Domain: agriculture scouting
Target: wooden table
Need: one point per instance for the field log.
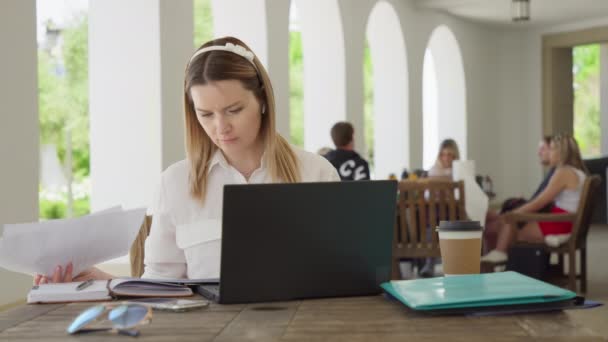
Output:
(336, 319)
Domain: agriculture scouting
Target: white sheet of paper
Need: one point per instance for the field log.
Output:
(12, 229)
(476, 201)
(39, 247)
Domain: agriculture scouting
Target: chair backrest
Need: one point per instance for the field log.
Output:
(585, 210)
(422, 204)
(136, 253)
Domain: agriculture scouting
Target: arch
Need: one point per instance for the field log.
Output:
(444, 95)
(391, 99)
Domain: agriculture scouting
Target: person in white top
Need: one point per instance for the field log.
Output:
(230, 139)
(564, 189)
(448, 152)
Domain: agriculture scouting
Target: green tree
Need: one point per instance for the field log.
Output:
(64, 97)
(586, 69)
(64, 105)
(296, 91)
(203, 22)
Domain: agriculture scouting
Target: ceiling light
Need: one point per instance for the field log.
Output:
(520, 10)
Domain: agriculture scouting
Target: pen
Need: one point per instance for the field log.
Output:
(84, 285)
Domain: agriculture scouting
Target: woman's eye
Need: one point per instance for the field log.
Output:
(205, 115)
(235, 111)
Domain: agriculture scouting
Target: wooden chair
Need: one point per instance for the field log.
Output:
(578, 240)
(136, 253)
(421, 205)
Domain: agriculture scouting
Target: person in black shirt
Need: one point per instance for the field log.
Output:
(349, 163)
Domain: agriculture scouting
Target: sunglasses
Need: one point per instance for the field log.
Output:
(123, 317)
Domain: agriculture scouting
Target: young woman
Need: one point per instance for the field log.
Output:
(448, 152)
(564, 190)
(230, 139)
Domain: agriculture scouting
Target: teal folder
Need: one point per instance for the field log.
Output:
(475, 290)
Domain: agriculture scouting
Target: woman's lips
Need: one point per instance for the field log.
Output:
(227, 140)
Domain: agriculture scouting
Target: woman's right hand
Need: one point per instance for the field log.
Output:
(59, 276)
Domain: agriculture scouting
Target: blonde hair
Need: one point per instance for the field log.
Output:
(447, 144)
(220, 65)
(569, 153)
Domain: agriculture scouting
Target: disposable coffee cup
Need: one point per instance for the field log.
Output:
(460, 245)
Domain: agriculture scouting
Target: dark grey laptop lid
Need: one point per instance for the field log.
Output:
(306, 240)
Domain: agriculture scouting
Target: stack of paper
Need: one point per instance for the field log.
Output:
(37, 248)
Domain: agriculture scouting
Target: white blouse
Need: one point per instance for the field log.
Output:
(185, 237)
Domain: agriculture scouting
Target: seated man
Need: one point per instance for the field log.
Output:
(349, 163)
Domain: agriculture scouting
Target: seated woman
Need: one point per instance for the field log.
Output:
(564, 190)
(231, 138)
(448, 152)
(442, 170)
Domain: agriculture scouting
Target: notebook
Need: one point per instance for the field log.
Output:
(100, 290)
(476, 291)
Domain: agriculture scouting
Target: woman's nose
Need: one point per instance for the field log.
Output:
(223, 124)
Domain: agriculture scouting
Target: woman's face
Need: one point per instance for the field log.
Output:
(229, 114)
(446, 157)
(554, 156)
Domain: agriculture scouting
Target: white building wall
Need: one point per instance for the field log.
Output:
(19, 142)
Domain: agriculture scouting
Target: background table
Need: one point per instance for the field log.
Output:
(336, 319)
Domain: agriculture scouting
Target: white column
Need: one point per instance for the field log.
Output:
(19, 135)
(354, 34)
(138, 50)
(604, 98)
(324, 70)
(277, 21)
(391, 101)
(264, 27)
(245, 20)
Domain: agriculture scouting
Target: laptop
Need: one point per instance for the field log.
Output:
(306, 240)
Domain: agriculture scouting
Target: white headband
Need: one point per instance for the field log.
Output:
(239, 50)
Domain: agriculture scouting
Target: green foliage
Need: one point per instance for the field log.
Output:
(203, 22)
(368, 104)
(586, 69)
(64, 106)
(50, 209)
(64, 96)
(296, 91)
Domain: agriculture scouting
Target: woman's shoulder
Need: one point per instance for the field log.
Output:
(174, 180)
(313, 167)
(177, 170)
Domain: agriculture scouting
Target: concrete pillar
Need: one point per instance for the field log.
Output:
(391, 100)
(138, 51)
(277, 20)
(324, 70)
(264, 26)
(19, 134)
(354, 46)
(245, 20)
(604, 98)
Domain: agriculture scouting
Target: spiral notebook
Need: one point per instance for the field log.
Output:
(100, 290)
(488, 290)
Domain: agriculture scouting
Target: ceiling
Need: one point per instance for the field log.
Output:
(542, 12)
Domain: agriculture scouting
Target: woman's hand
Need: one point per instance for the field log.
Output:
(59, 276)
